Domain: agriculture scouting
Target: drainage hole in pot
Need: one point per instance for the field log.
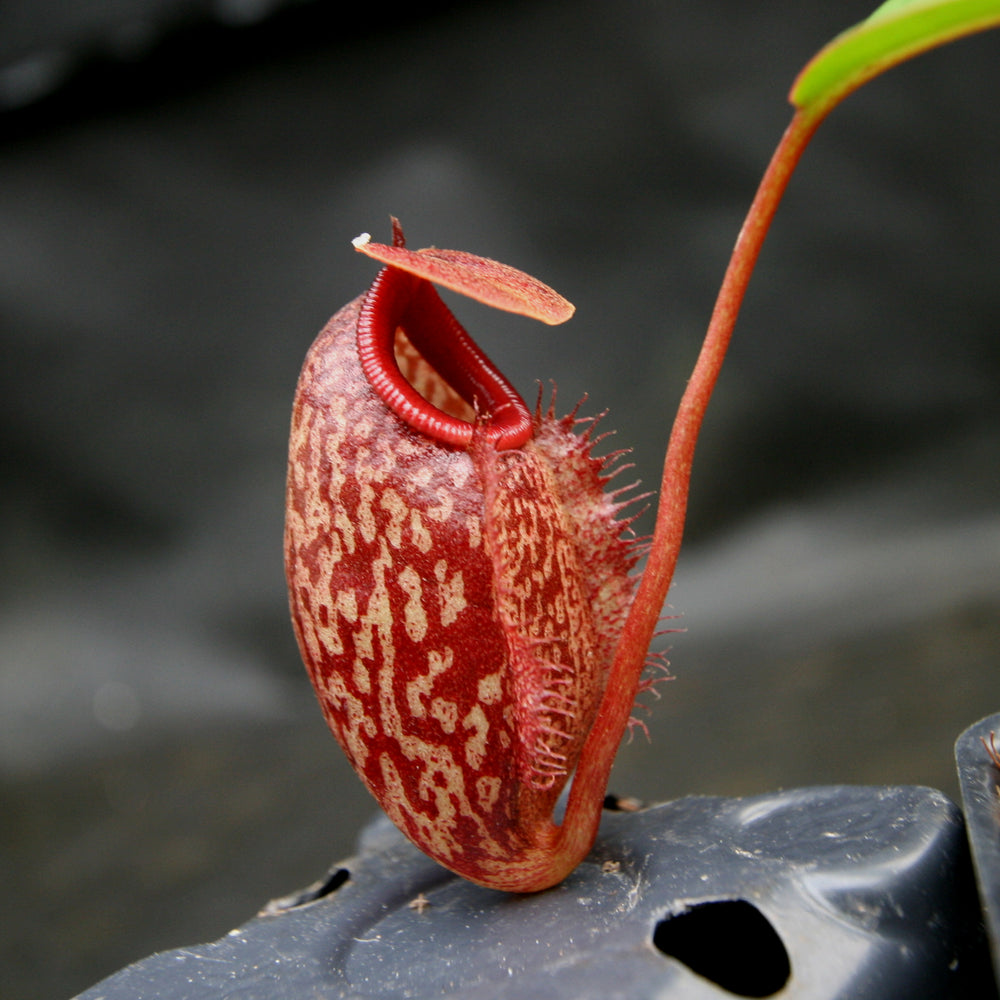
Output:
(334, 879)
(326, 886)
(729, 942)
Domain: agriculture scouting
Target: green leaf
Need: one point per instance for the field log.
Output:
(896, 31)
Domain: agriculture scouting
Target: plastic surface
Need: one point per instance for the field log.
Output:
(817, 893)
(980, 782)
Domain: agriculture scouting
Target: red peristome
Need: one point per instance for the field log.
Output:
(397, 300)
(457, 607)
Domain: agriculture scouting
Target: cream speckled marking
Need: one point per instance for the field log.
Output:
(366, 515)
(393, 504)
(420, 536)
(379, 614)
(475, 532)
(489, 689)
(420, 687)
(451, 592)
(364, 640)
(361, 676)
(347, 604)
(344, 529)
(414, 613)
(475, 745)
(487, 792)
(446, 713)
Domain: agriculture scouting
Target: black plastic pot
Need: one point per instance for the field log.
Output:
(979, 778)
(815, 893)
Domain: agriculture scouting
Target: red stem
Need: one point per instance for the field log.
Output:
(583, 810)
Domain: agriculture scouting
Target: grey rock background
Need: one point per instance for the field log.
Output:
(179, 183)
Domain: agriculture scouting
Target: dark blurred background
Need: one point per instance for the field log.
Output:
(179, 183)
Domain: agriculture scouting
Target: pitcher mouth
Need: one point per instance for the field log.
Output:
(475, 397)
